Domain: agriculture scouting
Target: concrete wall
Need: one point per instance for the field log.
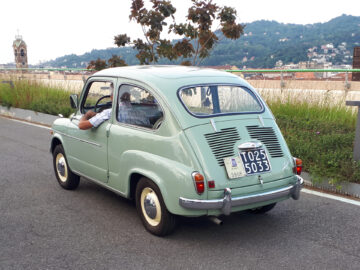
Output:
(70, 82)
(319, 92)
(332, 92)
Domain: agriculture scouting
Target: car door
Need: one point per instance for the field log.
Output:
(88, 148)
(134, 131)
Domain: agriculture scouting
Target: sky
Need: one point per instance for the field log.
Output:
(53, 29)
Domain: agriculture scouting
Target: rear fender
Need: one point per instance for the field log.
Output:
(173, 178)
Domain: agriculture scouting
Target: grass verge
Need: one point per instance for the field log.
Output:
(36, 97)
(322, 136)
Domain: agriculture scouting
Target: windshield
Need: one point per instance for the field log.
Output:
(210, 100)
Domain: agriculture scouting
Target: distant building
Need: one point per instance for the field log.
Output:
(225, 67)
(20, 52)
(279, 63)
(283, 39)
(311, 65)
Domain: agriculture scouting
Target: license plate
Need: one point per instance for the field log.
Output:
(234, 167)
(255, 161)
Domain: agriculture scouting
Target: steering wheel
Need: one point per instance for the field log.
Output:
(97, 102)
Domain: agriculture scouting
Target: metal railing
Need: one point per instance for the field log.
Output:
(292, 70)
(228, 70)
(46, 69)
(287, 71)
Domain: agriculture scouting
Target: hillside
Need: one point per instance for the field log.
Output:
(263, 44)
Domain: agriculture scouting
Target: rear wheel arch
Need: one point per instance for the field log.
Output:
(134, 180)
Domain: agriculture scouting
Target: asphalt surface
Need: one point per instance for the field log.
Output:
(43, 226)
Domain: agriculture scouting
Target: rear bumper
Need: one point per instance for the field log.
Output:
(225, 204)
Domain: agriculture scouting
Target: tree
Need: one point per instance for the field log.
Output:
(116, 61)
(99, 64)
(197, 38)
(201, 16)
(152, 22)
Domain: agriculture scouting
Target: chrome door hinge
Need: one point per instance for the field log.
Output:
(212, 121)
(108, 131)
(261, 120)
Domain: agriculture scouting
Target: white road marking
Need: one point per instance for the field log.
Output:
(334, 197)
(27, 123)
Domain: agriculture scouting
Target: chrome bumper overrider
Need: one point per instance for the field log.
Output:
(227, 202)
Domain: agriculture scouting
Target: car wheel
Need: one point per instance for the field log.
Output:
(66, 178)
(263, 209)
(152, 210)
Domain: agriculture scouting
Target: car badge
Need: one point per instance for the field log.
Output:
(249, 145)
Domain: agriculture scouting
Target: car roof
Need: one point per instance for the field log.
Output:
(167, 80)
(162, 72)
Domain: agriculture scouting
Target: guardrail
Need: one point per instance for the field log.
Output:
(292, 70)
(282, 71)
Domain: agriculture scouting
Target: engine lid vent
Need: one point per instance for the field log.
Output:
(267, 136)
(222, 143)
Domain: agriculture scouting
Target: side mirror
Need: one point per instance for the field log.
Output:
(74, 101)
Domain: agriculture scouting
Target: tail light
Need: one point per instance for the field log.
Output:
(199, 182)
(298, 166)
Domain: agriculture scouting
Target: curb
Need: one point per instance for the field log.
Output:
(347, 188)
(27, 115)
(343, 188)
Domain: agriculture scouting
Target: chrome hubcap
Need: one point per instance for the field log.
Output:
(150, 206)
(61, 167)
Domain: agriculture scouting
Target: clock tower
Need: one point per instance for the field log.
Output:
(20, 52)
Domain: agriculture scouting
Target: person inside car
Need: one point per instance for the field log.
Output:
(91, 119)
(129, 114)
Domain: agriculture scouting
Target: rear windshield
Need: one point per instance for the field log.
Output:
(210, 100)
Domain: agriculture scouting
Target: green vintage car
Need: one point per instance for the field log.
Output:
(192, 142)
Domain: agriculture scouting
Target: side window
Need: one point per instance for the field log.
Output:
(98, 97)
(136, 106)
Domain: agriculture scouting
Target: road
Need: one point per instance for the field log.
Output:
(43, 226)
